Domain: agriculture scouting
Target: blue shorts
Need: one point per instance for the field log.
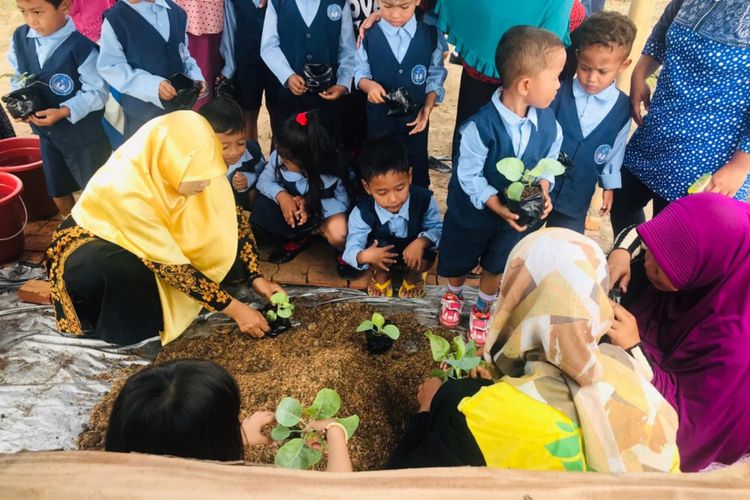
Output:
(68, 168)
(462, 249)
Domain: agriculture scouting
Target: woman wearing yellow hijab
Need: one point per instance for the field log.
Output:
(562, 400)
(152, 236)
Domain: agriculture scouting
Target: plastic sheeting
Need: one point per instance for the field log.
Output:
(50, 382)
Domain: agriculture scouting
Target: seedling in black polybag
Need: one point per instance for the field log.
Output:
(278, 313)
(524, 195)
(379, 333)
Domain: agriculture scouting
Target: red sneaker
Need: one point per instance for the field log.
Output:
(450, 310)
(479, 323)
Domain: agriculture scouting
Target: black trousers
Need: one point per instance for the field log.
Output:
(629, 202)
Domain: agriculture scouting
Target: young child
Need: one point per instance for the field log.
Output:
(595, 119)
(72, 138)
(402, 52)
(191, 409)
(244, 158)
(240, 48)
(479, 228)
(297, 33)
(304, 190)
(144, 43)
(398, 222)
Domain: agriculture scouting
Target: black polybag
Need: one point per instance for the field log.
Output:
(318, 77)
(399, 103)
(187, 93)
(529, 209)
(26, 101)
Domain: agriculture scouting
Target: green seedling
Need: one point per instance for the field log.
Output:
(458, 356)
(303, 447)
(283, 309)
(21, 80)
(515, 171)
(378, 327)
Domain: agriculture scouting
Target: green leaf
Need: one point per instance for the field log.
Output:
(280, 433)
(271, 315)
(365, 326)
(297, 455)
(327, 403)
(547, 167)
(511, 168)
(439, 346)
(288, 412)
(350, 424)
(464, 364)
(391, 331)
(285, 313)
(471, 348)
(279, 298)
(441, 374)
(458, 341)
(378, 320)
(514, 191)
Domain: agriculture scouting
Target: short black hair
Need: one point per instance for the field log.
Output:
(186, 408)
(382, 154)
(55, 3)
(523, 51)
(225, 115)
(607, 28)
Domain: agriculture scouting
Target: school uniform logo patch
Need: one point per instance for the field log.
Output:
(61, 84)
(334, 12)
(418, 74)
(601, 154)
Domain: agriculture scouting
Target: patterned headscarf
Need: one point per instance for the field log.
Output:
(544, 339)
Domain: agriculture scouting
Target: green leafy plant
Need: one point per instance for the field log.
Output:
(459, 356)
(283, 308)
(378, 327)
(19, 80)
(515, 171)
(299, 450)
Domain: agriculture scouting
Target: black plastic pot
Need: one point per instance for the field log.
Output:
(531, 206)
(187, 93)
(24, 102)
(399, 103)
(318, 77)
(279, 326)
(376, 343)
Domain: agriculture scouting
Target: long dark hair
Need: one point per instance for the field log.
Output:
(303, 140)
(186, 408)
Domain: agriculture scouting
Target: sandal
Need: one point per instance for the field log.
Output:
(376, 289)
(407, 287)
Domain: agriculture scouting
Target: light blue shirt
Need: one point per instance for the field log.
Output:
(250, 176)
(115, 69)
(473, 153)
(592, 109)
(399, 40)
(270, 48)
(398, 223)
(269, 187)
(93, 94)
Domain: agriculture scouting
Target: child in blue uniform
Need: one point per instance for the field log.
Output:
(143, 44)
(244, 158)
(478, 227)
(72, 138)
(401, 52)
(398, 222)
(304, 190)
(595, 119)
(240, 48)
(300, 32)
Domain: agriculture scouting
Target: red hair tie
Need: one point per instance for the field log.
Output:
(302, 118)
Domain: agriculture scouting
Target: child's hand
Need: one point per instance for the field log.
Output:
(544, 184)
(333, 93)
(252, 428)
(497, 206)
(288, 208)
(381, 258)
(166, 91)
(421, 121)
(48, 117)
(375, 92)
(301, 210)
(239, 181)
(203, 87)
(607, 198)
(296, 85)
(414, 253)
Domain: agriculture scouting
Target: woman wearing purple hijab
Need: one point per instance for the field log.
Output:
(693, 321)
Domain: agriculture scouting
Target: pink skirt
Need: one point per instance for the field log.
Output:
(205, 50)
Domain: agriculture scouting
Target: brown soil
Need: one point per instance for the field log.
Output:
(324, 352)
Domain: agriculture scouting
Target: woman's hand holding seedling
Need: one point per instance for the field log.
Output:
(166, 91)
(252, 428)
(456, 359)
(381, 258)
(248, 319)
(266, 288)
(48, 117)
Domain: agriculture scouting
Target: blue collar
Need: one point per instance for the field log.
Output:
(609, 94)
(60, 34)
(390, 30)
(509, 117)
(143, 5)
(385, 216)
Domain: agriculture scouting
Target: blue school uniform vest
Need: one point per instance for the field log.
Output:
(411, 73)
(248, 33)
(574, 189)
(317, 44)
(291, 187)
(60, 72)
(419, 203)
(494, 136)
(145, 49)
